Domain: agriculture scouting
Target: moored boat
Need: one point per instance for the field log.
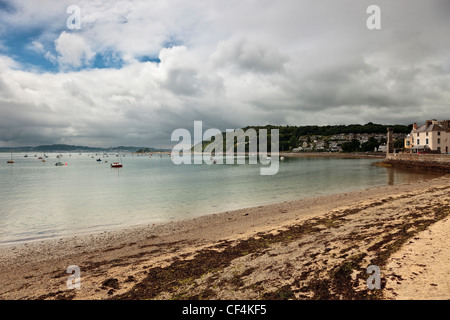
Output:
(116, 165)
(11, 160)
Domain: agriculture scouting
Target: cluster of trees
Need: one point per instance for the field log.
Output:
(336, 129)
(368, 146)
(289, 135)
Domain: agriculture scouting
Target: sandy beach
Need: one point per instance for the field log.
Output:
(316, 248)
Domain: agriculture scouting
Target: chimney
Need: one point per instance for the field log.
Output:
(414, 126)
(428, 122)
(434, 121)
(445, 124)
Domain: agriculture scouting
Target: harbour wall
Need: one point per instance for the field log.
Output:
(424, 162)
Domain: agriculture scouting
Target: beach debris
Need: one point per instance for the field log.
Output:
(111, 283)
(130, 279)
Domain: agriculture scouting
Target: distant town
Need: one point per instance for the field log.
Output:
(369, 137)
(347, 142)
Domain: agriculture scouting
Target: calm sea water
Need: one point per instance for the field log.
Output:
(39, 200)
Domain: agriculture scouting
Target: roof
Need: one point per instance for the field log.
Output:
(431, 127)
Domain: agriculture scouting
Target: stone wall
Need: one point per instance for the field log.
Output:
(438, 158)
(422, 162)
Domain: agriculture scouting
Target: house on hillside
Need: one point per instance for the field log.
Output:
(432, 136)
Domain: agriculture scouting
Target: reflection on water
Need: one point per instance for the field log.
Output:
(41, 200)
(390, 174)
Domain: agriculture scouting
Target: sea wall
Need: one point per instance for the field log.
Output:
(439, 158)
(424, 162)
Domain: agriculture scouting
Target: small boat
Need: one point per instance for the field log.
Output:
(59, 164)
(11, 160)
(99, 159)
(116, 165)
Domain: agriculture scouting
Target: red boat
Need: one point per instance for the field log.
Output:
(10, 161)
(116, 165)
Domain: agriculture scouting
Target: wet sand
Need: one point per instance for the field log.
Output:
(316, 248)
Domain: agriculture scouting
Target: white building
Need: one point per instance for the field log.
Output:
(433, 135)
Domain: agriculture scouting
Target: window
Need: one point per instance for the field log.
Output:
(426, 141)
(427, 134)
(439, 140)
(418, 141)
(439, 133)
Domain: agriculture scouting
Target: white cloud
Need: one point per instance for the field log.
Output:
(37, 47)
(73, 50)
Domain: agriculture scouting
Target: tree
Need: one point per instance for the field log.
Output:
(370, 145)
(399, 144)
(352, 146)
(293, 142)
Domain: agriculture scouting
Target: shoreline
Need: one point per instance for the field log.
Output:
(115, 264)
(352, 155)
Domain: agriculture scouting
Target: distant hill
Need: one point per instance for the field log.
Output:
(70, 148)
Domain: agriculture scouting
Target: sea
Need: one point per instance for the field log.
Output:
(39, 200)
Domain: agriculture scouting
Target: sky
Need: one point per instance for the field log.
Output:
(136, 70)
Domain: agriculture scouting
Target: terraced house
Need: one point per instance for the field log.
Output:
(433, 136)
